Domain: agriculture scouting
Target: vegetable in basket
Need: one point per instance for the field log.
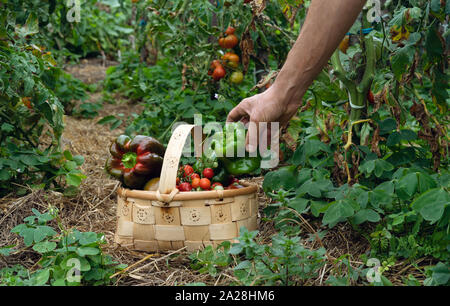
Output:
(135, 161)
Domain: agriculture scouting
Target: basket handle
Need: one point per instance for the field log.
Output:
(167, 182)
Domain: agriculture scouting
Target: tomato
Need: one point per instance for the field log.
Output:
(185, 187)
(178, 181)
(222, 42)
(205, 183)
(195, 182)
(218, 73)
(194, 175)
(343, 46)
(208, 173)
(187, 170)
(218, 187)
(230, 30)
(370, 97)
(27, 102)
(216, 184)
(236, 77)
(215, 64)
(230, 41)
(230, 56)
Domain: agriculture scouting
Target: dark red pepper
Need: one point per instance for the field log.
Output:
(135, 161)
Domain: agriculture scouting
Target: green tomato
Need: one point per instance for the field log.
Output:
(236, 77)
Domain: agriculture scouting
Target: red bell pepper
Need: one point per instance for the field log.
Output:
(135, 161)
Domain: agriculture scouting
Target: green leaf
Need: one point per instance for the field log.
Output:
(407, 186)
(441, 273)
(44, 246)
(74, 179)
(283, 178)
(30, 27)
(431, 204)
(88, 238)
(338, 211)
(366, 215)
(6, 127)
(299, 204)
(401, 60)
(41, 277)
(84, 251)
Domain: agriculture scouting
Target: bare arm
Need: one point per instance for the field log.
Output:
(325, 25)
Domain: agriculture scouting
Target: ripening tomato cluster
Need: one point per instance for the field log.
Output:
(188, 180)
(229, 59)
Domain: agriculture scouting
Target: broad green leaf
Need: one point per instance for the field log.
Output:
(338, 211)
(431, 204)
(83, 251)
(407, 186)
(41, 277)
(44, 246)
(366, 215)
(299, 204)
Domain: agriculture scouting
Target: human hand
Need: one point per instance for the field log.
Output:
(269, 106)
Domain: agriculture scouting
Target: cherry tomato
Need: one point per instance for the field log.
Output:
(218, 73)
(205, 183)
(177, 181)
(230, 41)
(194, 175)
(230, 30)
(185, 187)
(218, 187)
(215, 64)
(222, 42)
(27, 102)
(216, 184)
(236, 77)
(195, 182)
(187, 170)
(208, 173)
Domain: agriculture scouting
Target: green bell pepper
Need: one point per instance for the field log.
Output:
(221, 143)
(242, 165)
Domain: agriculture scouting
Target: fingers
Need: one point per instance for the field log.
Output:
(236, 113)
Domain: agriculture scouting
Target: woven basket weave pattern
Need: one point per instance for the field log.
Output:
(149, 226)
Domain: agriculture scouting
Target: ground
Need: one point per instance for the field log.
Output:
(94, 209)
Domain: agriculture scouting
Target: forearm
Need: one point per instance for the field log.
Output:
(325, 25)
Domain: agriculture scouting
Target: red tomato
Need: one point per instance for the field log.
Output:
(230, 31)
(218, 73)
(195, 182)
(178, 181)
(205, 183)
(187, 170)
(194, 175)
(222, 42)
(185, 187)
(230, 41)
(208, 173)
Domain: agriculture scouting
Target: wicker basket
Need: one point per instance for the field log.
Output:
(167, 219)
